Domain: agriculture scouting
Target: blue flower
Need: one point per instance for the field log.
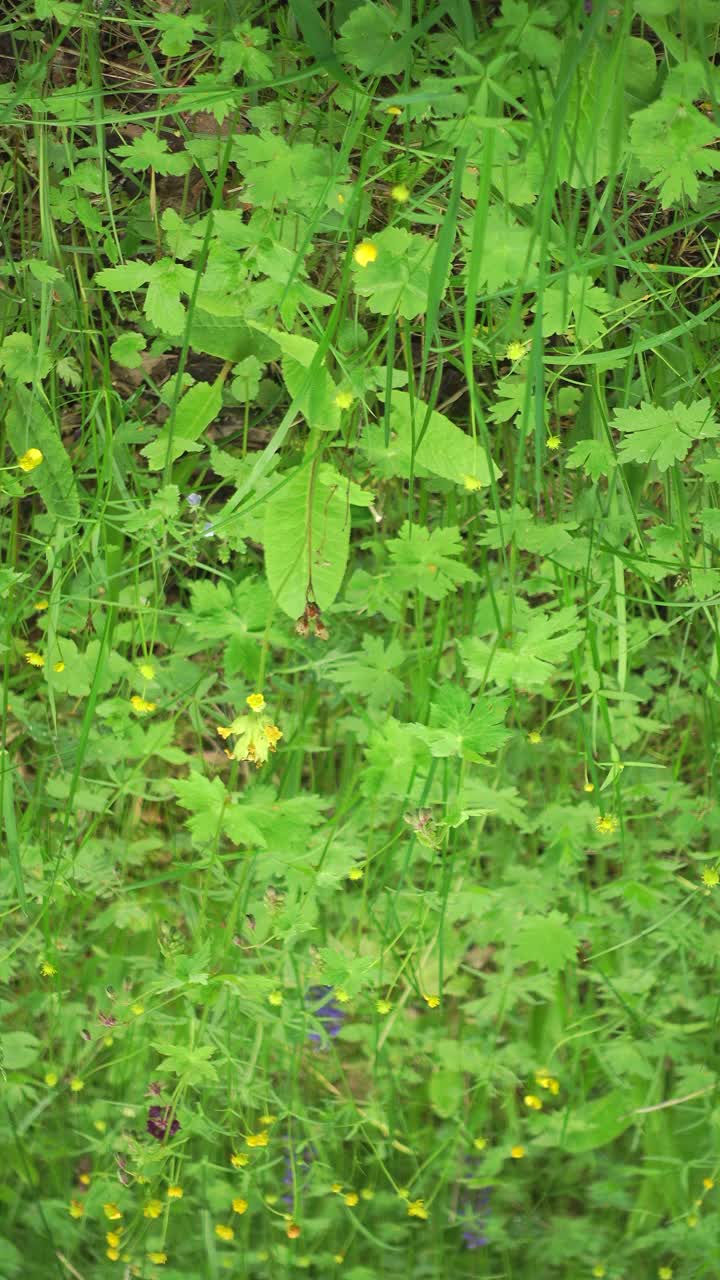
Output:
(329, 1014)
(194, 500)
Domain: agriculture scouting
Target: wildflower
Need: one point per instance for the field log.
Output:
(174, 1193)
(239, 1205)
(665, 1273)
(708, 1184)
(553, 443)
(76, 1084)
(256, 735)
(432, 1002)
(416, 1209)
(238, 1160)
(51, 1079)
(137, 1009)
(515, 350)
(256, 1140)
(393, 111)
(275, 998)
(76, 1209)
(147, 670)
(342, 996)
(343, 399)
(517, 1152)
(710, 877)
(546, 1081)
(598, 1272)
(351, 1199)
(100, 1125)
(47, 970)
(400, 193)
(328, 1014)
(479, 1143)
(113, 1239)
(111, 1211)
(589, 786)
(534, 738)
(142, 707)
(355, 873)
(336, 1188)
(84, 1179)
(255, 701)
(338, 1257)
(383, 1006)
(365, 253)
(161, 1122)
(533, 1102)
(34, 659)
(58, 666)
(157, 1257)
(472, 484)
(194, 500)
(152, 1209)
(267, 1119)
(224, 1233)
(40, 605)
(293, 1231)
(112, 1254)
(606, 824)
(30, 460)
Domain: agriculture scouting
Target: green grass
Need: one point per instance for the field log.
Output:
(442, 970)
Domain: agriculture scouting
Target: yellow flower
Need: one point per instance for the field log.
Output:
(383, 1006)
(336, 1188)
(58, 666)
(47, 970)
(40, 605)
(342, 996)
(256, 702)
(158, 1258)
(432, 1002)
(533, 1102)
(84, 1179)
(338, 1257)
(546, 1081)
(224, 730)
(416, 1209)
(356, 873)
(256, 736)
(710, 877)
(142, 707)
(393, 111)
(239, 1205)
(30, 460)
(472, 484)
(517, 1153)
(293, 1231)
(267, 1118)
(589, 786)
(112, 1254)
(51, 1079)
(256, 1140)
(665, 1273)
(34, 659)
(238, 1160)
(76, 1209)
(273, 735)
(479, 1143)
(400, 193)
(606, 824)
(534, 738)
(367, 1193)
(515, 350)
(707, 1182)
(100, 1125)
(275, 998)
(112, 1212)
(351, 1199)
(76, 1084)
(137, 1009)
(113, 1239)
(343, 399)
(153, 1209)
(224, 1233)
(598, 1272)
(365, 253)
(553, 443)
(147, 671)
(174, 1193)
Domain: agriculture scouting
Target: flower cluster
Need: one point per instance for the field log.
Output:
(256, 735)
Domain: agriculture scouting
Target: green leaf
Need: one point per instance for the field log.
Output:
(598, 1122)
(672, 138)
(547, 941)
(128, 277)
(307, 537)
(366, 41)
(21, 361)
(148, 151)
(19, 1050)
(199, 406)
(462, 729)
(29, 427)
(664, 436)
(427, 561)
(594, 456)
(443, 449)
(573, 302)
(126, 349)
(528, 657)
(206, 800)
(447, 1092)
(397, 282)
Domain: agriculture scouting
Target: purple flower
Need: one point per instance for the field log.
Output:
(473, 1239)
(326, 1011)
(473, 1214)
(160, 1124)
(194, 500)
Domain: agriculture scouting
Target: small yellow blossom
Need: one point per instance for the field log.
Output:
(100, 1125)
(76, 1084)
(356, 873)
(338, 1257)
(393, 111)
(147, 670)
(113, 1239)
(606, 824)
(40, 605)
(51, 1079)
(224, 1233)
(351, 1199)
(546, 1081)
(692, 1220)
(256, 1140)
(336, 1188)
(275, 998)
(383, 1006)
(47, 970)
(84, 1179)
(112, 1254)
(224, 730)
(267, 1118)
(532, 1101)
(400, 193)
(479, 1143)
(158, 1258)
(30, 460)
(174, 1193)
(273, 735)
(367, 1193)
(365, 253)
(58, 666)
(598, 1272)
(432, 1002)
(153, 1209)
(416, 1209)
(589, 786)
(710, 877)
(517, 1152)
(553, 443)
(343, 399)
(534, 737)
(111, 1211)
(137, 1009)
(34, 659)
(238, 1160)
(708, 1184)
(515, 350)
(76, 1209)
(472, 484)
(665, 1273)
(293, 1231)
(239, 1205)
(255, 701)
(256, 736)
(342, 996)
(142, 707)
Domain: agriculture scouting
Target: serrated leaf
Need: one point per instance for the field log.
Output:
(29, 427)
(458, 727)
(199, 406)
(366, 41)
(663, 436)
(205, 799)
(307, 537)
(443, 449)
(547, 941)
